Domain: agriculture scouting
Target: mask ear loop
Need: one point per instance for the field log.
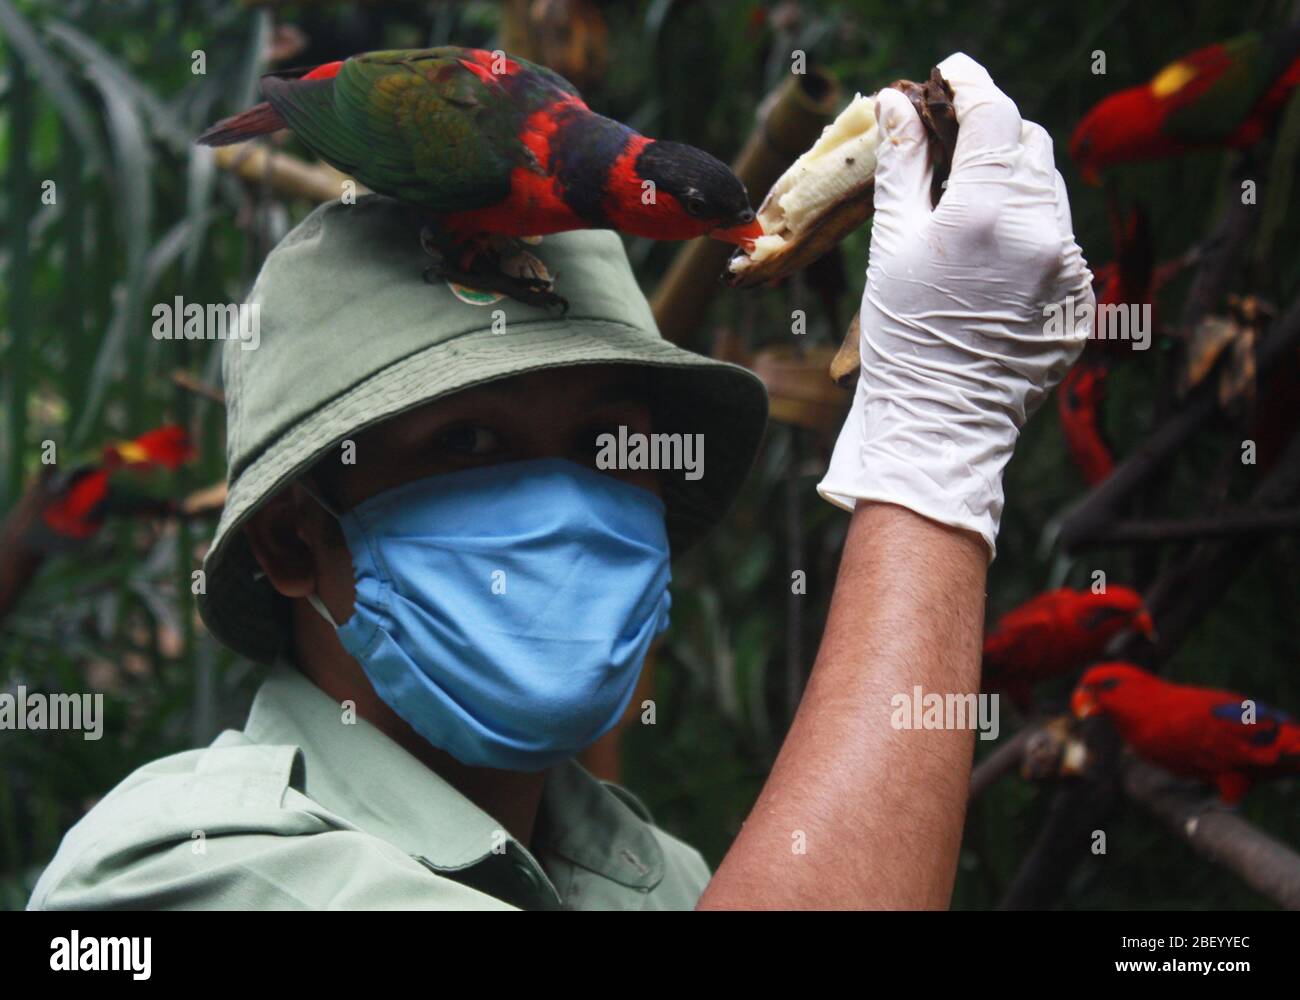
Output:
(314, 599)
(310, 490)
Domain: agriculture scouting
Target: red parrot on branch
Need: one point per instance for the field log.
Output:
(1225, 95)
(1219, 737)
(483, 145)
(77, 506)
(1055, 633)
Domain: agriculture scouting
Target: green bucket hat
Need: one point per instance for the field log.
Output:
(351, 335)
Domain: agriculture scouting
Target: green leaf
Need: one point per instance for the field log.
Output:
(133, 174)
(166, 125)
(54, 81)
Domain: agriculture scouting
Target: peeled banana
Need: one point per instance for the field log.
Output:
(836, 171)
(827, 192)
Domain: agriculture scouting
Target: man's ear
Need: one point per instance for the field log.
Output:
(285, 536)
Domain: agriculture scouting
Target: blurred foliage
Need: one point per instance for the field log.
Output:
(101, 98)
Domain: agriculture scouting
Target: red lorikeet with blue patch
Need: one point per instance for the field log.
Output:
(1218, 737)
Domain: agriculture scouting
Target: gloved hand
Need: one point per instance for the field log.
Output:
(958, 348)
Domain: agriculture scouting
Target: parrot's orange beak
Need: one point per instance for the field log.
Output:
(1147, 626)
(1083, 704)
(743, 235)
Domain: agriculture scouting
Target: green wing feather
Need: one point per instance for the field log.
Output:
(417, 124)
(1253, 64)
(1215, 115)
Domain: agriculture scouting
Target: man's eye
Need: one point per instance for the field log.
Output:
(471, 440)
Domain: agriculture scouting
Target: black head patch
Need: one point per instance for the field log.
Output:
(703, 184)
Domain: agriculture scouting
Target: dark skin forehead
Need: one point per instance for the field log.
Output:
(553, 413)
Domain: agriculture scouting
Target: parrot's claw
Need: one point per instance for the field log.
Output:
(531, 291)
(480, 259)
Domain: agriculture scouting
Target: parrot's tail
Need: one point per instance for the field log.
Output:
(261, 119)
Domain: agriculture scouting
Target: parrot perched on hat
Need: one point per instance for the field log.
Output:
(1223, 95)
(486, 146)
(1057, 632)
(1218, 737)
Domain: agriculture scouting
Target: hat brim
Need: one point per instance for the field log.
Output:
(690, 394)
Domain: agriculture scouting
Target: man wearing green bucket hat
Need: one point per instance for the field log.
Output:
(436, 539)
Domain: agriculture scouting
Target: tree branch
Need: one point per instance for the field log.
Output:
(1099, 509)
(1226, 839)
(1221, 261)
(1003, 760)
(1226, 523)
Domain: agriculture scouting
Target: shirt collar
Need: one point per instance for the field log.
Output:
(357, 772)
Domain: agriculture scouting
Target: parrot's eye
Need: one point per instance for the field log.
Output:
(695, 205)
(1110, 683)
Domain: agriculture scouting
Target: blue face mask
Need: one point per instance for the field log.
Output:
(504, 612)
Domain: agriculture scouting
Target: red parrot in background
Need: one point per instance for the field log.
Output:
(77, 506)
(1195, 732)
(485, 145)
(1128, 280)
(1224, 95)
(1078, 401)
(1057, 632)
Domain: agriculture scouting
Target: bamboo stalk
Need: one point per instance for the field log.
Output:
(286, 175)
(789, 121)
(208, 500)
(184, 380)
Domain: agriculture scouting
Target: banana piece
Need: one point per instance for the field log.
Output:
(828, 192)
(839, 167)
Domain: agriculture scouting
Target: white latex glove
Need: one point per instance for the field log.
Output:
(956, 352)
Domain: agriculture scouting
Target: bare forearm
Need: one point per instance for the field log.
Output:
(857, 813)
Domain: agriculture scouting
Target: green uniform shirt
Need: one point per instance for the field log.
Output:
(303, 811)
